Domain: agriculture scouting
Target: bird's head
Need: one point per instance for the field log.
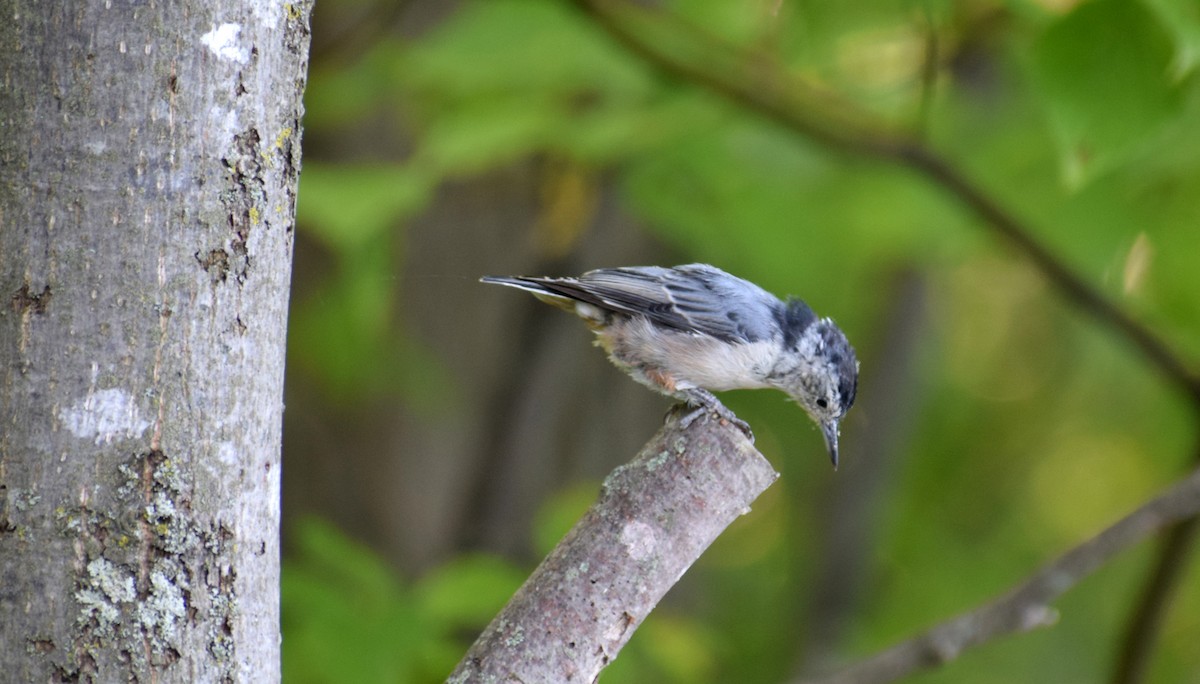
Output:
(824, 378)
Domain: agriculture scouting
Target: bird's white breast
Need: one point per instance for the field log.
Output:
(693, 360)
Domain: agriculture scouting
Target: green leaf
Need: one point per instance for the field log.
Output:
(348, 206)
(468, 591)
(507, 78)
(1182, 19)
(325, 552)
(484, 134)
(346, 617)
(341, 96)
(560, 513)
(341, 331)
(344, 333)
(521, 46)
(1106, 72)
(682, 649)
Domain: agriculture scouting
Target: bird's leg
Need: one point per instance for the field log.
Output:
(701, 400)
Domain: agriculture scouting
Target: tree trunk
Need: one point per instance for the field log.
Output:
(149, 154)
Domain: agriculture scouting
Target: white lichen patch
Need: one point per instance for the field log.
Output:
(106, 587)
(227, 453)
(222, 41)
(657, 461)
(515, 638)
(639, 539)
(161, 611)
(23, 499)
(155, 581)
(104, 415)
(173, 531)
(220, 640)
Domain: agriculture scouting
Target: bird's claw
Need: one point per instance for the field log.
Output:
(721, 411)
(724, 413)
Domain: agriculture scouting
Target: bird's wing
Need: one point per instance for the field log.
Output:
(694, 298)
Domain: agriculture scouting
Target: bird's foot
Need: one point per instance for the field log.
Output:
(701, 401)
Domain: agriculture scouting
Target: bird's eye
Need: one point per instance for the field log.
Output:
(822, 403)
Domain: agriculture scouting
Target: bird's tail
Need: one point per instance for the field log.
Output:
(542, 288)
(520, 282)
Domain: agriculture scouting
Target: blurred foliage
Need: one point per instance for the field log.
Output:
(1105, 69)
(1036, 428)
(348, 618)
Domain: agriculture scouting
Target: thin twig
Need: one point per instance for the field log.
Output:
(1087, 298)
(752, 79)
(1145, 619)
(1027, 605)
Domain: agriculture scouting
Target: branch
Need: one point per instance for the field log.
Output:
(1074, 288)
(654, 518)
(756, 82)
(1145, 621)
(1026, 606)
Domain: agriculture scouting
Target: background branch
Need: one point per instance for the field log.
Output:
(1145, 619)
(757, 82)
(654, 518)
(1027, 605)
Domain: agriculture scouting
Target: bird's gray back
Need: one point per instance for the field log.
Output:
(694, 298)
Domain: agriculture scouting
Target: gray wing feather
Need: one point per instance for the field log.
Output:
(695, 298)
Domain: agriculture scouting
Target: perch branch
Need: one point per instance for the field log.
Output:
(1027, 605)
(653, 519)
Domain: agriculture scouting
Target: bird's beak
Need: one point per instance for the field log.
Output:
(830, 430)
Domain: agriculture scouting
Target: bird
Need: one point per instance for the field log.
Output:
(691, 330)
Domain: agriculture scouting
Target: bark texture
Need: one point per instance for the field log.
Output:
(148, 164)
(654, 518)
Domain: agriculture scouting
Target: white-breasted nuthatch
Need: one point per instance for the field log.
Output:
(691, 330)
